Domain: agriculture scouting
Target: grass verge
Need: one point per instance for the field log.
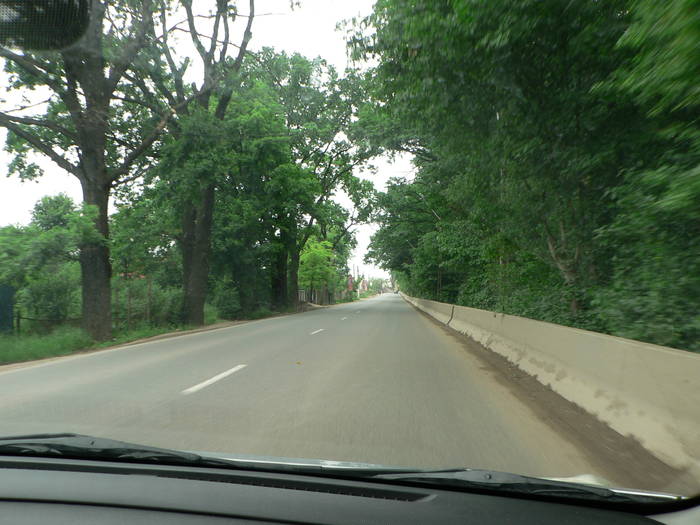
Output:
(61, 341)
(67, 340)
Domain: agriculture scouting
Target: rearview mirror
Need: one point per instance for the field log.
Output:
(42, 24)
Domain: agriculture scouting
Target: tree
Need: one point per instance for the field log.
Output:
(316, 265)
(554, 166)
(319, 108)
(99, 88)
(654, 291)
(78, 126)
(263, 195)
(41, 260)
(53, 212)
(212, 96)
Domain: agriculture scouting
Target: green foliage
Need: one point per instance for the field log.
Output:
(52, 296)
(556, 147)
(316, 268)
(211, 314)
(376, 285)
(226, 299)
(271, 141)
(654, 289)
(260, 313)
(138, 299)
(663, 73)
(144, 331)
(62, 341)
(275, 160)
(41, 261)
(53, 212)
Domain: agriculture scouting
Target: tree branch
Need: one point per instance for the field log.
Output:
(120, 142)
(247, 35)
(34, 67)
(4, 117)
(177, 73)
(147, 93)
(126, 180)
(228, 92)
(41, 146)
(187, 4)
(22, 108)
(137, 102)
(143, 146)
(215, 32)
(29, 64)
(150, 139)
(130, 51)
(227, 38)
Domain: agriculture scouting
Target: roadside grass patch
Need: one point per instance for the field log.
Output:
(139, 332)
(66, 340)
(62, 341)
(260, 313)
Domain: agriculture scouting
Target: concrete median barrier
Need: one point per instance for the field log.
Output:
(645, 391)
(440, 311)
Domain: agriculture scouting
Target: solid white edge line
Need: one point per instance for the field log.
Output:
(204, 384)
(317, 331)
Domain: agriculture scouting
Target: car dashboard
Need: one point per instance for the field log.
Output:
(65, 491)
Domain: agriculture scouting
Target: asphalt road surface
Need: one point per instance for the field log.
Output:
(373, 381)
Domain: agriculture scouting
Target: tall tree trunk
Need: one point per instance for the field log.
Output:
(293, 253)
(279, 276)
(189, 221)
(243, 276)
(96, 268)
(293, 281)
(567, 269)
(196, 248)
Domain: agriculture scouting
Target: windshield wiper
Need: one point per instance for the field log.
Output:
(77, 446)
(493, 481)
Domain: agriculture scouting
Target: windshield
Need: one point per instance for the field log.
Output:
(427, 234)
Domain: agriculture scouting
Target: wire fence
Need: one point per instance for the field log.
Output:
(41, 324)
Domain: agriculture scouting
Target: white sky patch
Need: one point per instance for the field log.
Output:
(309, 29)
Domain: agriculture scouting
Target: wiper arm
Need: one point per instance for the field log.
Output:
(475, 479)
(77, 446)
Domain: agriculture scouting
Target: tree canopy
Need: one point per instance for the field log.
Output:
(555, 146)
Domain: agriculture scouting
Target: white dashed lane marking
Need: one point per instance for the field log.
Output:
(211, 381)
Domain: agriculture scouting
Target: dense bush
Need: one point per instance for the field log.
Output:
(52, 296)
(226, 299)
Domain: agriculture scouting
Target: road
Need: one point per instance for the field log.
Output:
(372, 381)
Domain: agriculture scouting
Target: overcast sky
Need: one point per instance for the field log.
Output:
(309, 29)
